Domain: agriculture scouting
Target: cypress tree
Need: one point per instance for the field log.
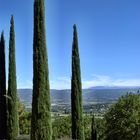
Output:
(12, 88)
(3, 106)
(41, 128)
(76, 92)
(93, 130)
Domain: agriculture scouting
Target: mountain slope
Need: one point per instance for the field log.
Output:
(91, 95)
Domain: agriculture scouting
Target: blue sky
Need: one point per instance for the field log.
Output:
(109, 40)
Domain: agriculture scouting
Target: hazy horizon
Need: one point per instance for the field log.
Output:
(94, 87)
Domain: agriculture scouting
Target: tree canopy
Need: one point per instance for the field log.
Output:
(123, 118)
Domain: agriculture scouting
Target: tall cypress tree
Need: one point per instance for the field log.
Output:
(12, 88)
(3, 106)
(93, 130)
(76, 92)
(41, 128)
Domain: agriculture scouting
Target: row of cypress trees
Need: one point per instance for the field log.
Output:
(41, 118)
(41, 127)
(8, 100)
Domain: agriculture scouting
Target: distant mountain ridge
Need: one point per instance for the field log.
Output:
(115, 87)
(94, 95)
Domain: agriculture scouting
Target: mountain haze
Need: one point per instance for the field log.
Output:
(91, 95)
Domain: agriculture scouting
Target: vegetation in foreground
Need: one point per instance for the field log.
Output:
(121, 121)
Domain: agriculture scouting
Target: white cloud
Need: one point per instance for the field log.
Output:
(96, 80)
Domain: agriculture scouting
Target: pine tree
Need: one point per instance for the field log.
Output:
(12, 88)
(41, 128)
(3, 106)
(76, 92)
(93, 130)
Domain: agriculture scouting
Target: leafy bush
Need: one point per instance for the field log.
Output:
(61, 127)
(123, 119)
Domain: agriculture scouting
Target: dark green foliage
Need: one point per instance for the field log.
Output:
(61, 127)
(24, 119)
(93, 130)
(100, 127)
(41, 117)
(3, 106)
(12, 103)
(24, 123)
(76, 92)
(123, 119)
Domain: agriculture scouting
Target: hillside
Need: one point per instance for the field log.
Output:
(91, 95)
